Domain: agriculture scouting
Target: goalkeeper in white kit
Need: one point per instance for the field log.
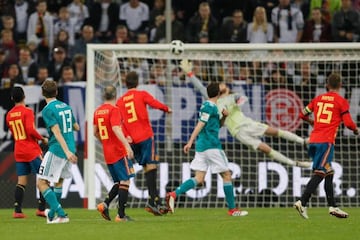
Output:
(243, 128)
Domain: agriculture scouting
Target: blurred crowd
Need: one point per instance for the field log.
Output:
(47, 39)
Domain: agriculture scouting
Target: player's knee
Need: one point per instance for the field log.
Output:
(226, 176)
(149, 167)
(22, 180)
(42, 184)
(200, 180)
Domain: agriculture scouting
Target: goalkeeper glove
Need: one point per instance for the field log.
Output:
(240, 100)
(186, 66)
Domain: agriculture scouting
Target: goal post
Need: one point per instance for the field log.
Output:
(278, 79)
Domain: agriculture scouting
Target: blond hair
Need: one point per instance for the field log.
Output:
(256, 24)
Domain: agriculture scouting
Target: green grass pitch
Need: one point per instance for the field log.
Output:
(186, 224)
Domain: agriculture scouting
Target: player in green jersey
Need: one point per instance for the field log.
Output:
(56, 166)
(208, 153)
(243, 128)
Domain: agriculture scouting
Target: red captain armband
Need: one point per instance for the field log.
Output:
(190, 74)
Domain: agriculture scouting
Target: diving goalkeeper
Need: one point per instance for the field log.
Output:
(243, 128)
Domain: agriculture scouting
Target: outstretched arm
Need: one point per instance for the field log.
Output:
(186, 66)
(154, 103)
(193, 136)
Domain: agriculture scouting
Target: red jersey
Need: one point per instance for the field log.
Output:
(107, 116)
(21, 122)
(135, 116)
(330, 109)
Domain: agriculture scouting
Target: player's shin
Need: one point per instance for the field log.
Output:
(123, 197)
(310, 188)
(112, 194)
(55, 206)
(290, 136)
(19, 197)
(58, 193)
(229, 194)
(281, 158)
(41, 202)
(151, 184)
(329, 189)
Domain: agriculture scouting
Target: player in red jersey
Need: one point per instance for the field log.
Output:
(330, 110)
(20, 120)
(137, 126)
(117, 153)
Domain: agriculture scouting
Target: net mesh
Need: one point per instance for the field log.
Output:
(278, 82)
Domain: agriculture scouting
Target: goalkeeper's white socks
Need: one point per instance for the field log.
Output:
(291, 136)
(281, 158)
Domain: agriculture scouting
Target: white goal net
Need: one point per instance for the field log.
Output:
(278, 81)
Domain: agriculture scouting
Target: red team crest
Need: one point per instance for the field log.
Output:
(283, 108)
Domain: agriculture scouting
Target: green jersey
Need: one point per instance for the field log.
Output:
(208, 137)
(57, 112)
(236, 119)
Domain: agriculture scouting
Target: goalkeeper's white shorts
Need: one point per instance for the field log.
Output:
(53, 168)
(215, 159)
(250, 134)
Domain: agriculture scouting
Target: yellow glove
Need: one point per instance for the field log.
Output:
(186, 66)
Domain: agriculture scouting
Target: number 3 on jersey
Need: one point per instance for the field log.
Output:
(130, 107)
(324, 109)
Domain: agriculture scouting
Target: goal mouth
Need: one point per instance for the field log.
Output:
(278, 79)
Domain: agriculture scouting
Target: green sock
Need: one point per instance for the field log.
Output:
(186, 186)
(55, 206)
(229, 195)
(58, 193)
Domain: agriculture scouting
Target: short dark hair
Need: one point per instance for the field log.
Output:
(213, 89)
(41, 1)
(49, 89)
(66, 68)
(109, 92)
(17, 94)
(132, 80)
(334, 81)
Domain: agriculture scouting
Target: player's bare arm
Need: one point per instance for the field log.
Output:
(96, 132)
(193, 136)
(119, 134)
(356, 131)
(76, 127)
(186, 66)
(224, 113)
(44, 140)
(57, 133)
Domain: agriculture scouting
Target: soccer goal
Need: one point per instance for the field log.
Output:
(278, 81)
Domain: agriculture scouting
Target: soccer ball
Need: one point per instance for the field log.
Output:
(177, 47)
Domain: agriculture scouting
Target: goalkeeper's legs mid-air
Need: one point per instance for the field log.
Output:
(250, 136)
(278, 156)
(275, 132)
